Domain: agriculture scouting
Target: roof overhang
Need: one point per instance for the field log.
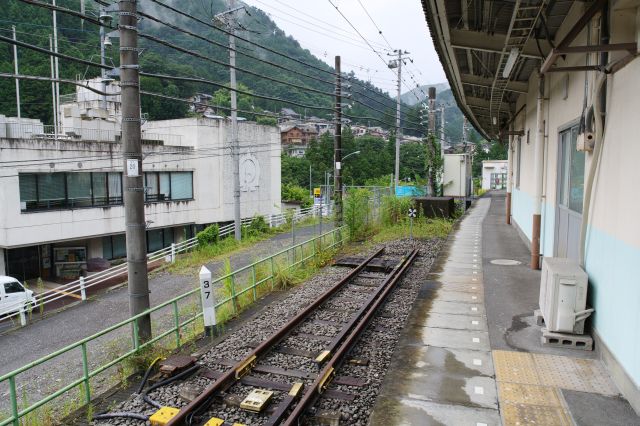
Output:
(474, 41)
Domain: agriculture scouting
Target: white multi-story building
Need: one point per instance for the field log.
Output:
(62, 196)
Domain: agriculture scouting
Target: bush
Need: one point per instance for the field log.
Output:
(296, 193)
(257, 226)
(208, 236)
(395, 209)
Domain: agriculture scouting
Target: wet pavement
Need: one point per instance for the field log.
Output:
(470, 353)
(443, 371)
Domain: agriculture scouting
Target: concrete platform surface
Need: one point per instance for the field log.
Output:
(470, 352)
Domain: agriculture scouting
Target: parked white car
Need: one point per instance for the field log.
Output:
(13, 296)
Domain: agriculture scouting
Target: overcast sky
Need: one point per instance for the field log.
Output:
(320, 28)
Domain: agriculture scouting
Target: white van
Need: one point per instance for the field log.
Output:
(13, 296)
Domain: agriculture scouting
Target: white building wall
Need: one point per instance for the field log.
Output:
(492, 166)
(613, 233)
(208, 158)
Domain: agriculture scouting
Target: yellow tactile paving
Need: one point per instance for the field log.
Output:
(517, 393)
(524, 414)
(585, 375)
(515, 367)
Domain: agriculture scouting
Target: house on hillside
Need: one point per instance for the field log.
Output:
(378, 132)
(358, 130)
(295, 138)
(287, 114)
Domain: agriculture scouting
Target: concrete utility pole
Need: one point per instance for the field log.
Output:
(464, 131)
(15, 67)
(397, 63)
(432, 131)
(442, 132)
(337, 145)
(57, 69)
(235, 146)
(133, 183)
(103, 72)
(53, 88)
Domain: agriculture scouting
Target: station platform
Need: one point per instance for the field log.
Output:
(470, 353)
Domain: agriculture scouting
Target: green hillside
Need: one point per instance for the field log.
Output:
(34, 24)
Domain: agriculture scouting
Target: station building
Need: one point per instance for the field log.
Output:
(559, 82)
(62, 196)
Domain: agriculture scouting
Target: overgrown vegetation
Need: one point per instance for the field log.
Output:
(291, 192)
(208, 236)
(357, 214)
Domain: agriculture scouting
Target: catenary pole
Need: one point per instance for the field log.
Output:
(337, 145)
(133, 184)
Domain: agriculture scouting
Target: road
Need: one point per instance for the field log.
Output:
(27, 344)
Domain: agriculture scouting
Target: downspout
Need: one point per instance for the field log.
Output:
(538, 171)
(509, 174)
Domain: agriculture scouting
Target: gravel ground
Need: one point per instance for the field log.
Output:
(376, 345)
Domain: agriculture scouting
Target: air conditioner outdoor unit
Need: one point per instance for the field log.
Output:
(563, 296)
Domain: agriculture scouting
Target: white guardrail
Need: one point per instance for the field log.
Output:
(78, 288)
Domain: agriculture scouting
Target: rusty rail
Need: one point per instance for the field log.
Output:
(244, 366)
(362, 321)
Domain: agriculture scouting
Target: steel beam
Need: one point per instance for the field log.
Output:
(477, 40)
(572, 34)
(476, 80)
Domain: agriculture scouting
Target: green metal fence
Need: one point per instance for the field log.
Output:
(242, 286)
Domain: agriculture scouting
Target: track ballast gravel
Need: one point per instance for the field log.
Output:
(376, 345)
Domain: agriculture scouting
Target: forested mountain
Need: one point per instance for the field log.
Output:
(419, 94)
(34, 25)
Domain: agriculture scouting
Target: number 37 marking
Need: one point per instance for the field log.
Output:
(205, 284)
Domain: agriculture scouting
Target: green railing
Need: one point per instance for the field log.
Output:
(243, 287)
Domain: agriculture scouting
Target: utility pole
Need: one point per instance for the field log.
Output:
(337, 146)
(56, 118)
(133, 184)
(15, 67)
(53, 88)
(397, 63)
(464, 132)
(442, 132)
(432, 134)
(235, 146)
(103, 72)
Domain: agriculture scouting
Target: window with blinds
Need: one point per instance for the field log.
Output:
(68, 190)
(168, 186)
(52, 191)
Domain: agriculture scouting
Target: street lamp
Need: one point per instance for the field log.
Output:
(350, 154)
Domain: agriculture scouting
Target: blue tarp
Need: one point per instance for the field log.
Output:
(409, 191)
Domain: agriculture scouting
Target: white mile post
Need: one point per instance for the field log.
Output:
(208, 302)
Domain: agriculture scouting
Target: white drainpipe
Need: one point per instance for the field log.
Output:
(538, 176)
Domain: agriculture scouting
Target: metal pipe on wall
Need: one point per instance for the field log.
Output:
(538, 176)
(509, 175)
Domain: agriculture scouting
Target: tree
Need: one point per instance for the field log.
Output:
(222, 97)
(492, 150)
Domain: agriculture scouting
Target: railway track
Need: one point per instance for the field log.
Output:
(281, 380)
